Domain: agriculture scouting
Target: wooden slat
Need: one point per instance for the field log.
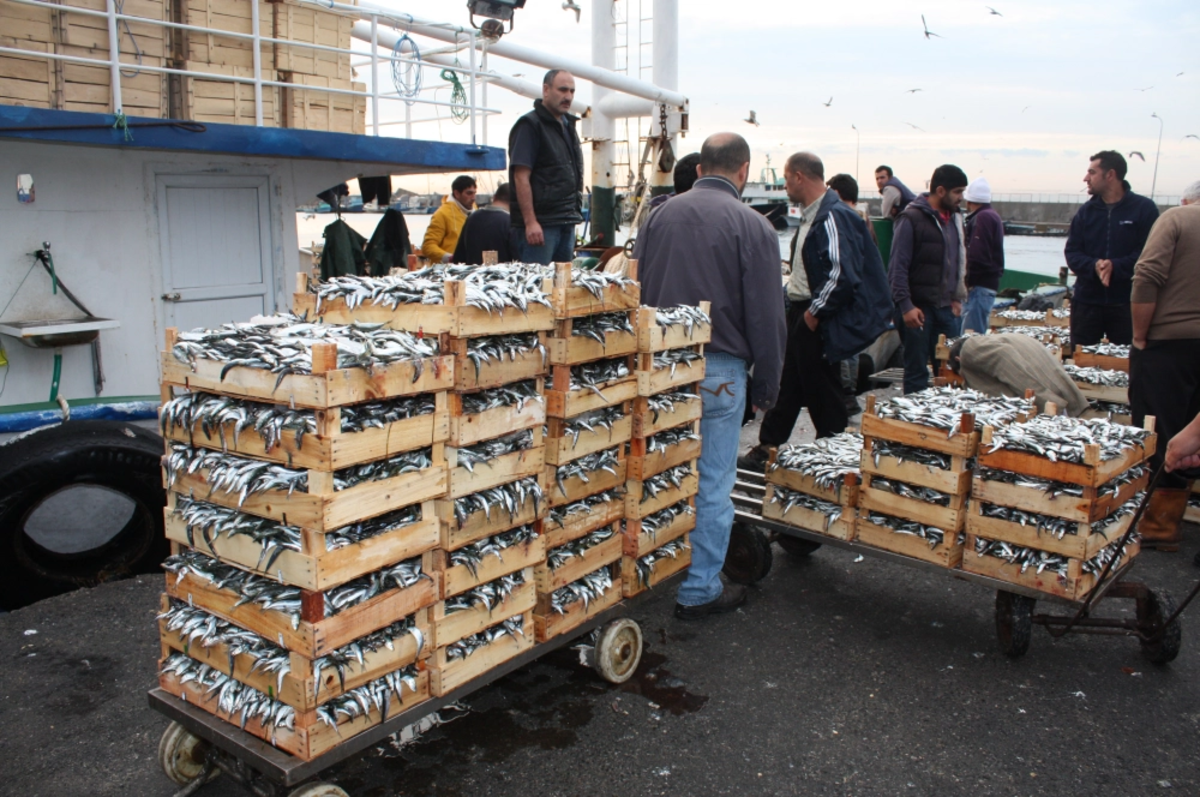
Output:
(660, 571)
(549, 624)
(312, 109)
(845, 493)
(1071, 472)
(449, 628)
(575, 488)
(1032, 499)
(460, 578)
(1074, 587)
(446, 675)
(569, 403)
(548, 579)
(955, 481)
(842, 529)
(500, 470)
(911, 434)
(428, 319)
(947, 518)
(1116, 395)
(636, 507)
(642, 467)
(563, 447)
(948, 554)
(661, 380)
(581, 524)
(569, 349)
(1085, 360)
(639, 541)
(571, 301)
(466, 430)
(647, 423)
(478, 524)
(653, 338)
(1081, 545)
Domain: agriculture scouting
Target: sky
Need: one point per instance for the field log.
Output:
(1022, 98)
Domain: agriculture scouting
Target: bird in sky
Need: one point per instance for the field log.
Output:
(752, 119)
(914, 127)
(928, 32)
(570, 5)
(993, 11)
(1138, 155)
(1192, 135)
(1179, 74)
(1026, 108)
(1145, 89)
(913, 91)
(827, 104)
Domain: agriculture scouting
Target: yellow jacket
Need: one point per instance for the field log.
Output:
(444, 229)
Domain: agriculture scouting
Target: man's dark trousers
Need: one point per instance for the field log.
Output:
(920, 345)
(1091, 322)
(808, 380)
(1164, 381)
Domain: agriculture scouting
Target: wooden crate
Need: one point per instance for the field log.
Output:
(1050, 320)
(449, 628)
(313, 567)
(216, 101)
(563, 446)
(569, 349)
(529, 365)
(948, 554)
(1075, 587)
(426, 319)
(478, 524)
(1086, 509)
(235, 16)
(1086, 360)
(460, 578)
(304, 23)
(652, 381)
(947, 518)
(643, 465)
(564, 402)
(647, 422)
(660, 571)
(307, 108)
(637, 508)
(27, 82)
(802, 517)
(1093, 472)
(502, 469)
(88, 89)
(468, 429)
(326, 387)
(315, 634)
(575, 488)
(845, 493)
(548, 579)
(581, 524)
(955, 481)
(639, 541)
(1117, 395)
(446, 675)
(964, 443)
(1081, 545)
(652, 337)
(549, 623)
(299, 687)
(572, 301)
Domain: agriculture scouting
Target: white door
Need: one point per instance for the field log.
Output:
(215, 234)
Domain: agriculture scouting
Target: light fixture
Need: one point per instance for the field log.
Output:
(497, 12)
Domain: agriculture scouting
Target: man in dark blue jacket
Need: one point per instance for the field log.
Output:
(1106, 239)
(488, 229)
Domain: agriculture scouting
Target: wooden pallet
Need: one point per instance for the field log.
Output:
(646, 422)
(652, 381)
(449, 628)
(947, 518)
(653, 338)
(549, 623)
(639, 541)
(315, 634)
(563, 446)
(564, 402)
(575, 488)
(1086, 509)
(948, 554)
(639, 504)
(642, 465)
(1085, 360)
(1117, 395)
(446, 675)
(460, 578)
(802, 517)
(298, 23)
(572, 301)
(468, 429)
(955, 481)
(1075, 587)
(529, 365)
(660, 571)
(1081, 545)
(568, 349)
(963, 444)
(581, 524)
(308, 107)
(1093, 472)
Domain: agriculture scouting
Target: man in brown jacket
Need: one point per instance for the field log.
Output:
(1164, 362)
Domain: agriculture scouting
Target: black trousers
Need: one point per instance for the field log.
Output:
(1164, 381)
(808, 380)
(1091, 322)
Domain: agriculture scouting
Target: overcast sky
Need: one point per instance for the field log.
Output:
(1023, 98)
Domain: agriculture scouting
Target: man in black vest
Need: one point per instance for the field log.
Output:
(896, 194)
(927, 270)
(546, 172)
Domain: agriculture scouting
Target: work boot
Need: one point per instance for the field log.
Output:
(731, 597)
(1160, 525)
(755, 459)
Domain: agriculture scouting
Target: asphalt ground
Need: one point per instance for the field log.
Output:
(839, 677)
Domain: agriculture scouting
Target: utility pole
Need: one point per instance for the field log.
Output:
(1154, 182)
(857, 141)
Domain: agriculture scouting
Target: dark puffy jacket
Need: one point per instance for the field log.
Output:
(556, 179)
(920, 270)
(985, 248)
(1108, 232)
(845, 274)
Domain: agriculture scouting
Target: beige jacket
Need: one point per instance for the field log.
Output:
(1167, 275)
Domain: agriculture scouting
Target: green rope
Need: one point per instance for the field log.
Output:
(122, 123)
(458, 97)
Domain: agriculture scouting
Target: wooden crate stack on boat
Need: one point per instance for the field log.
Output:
(821, 496)
(1048, 520)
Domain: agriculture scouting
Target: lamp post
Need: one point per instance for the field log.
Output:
(1154, 181)
(857, 139)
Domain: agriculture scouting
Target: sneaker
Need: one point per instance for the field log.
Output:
(755, 459)
(731, 597)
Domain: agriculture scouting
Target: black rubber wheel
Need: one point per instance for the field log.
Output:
(794, 546)
(48, 471)
(1014, 623)
(1163, 646)
(748, 559)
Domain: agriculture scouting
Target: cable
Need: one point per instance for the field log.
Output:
(406, 75)
(137, 51)
(18, 290)
(458, 97)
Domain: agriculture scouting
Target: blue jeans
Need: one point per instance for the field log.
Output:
(723, 393)
(920, 345)
(978, 309)
(559, 246)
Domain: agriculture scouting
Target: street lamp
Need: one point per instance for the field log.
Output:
(1154, 181)
(857, 139)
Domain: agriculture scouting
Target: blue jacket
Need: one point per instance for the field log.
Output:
(1103, 232)
(851, 298)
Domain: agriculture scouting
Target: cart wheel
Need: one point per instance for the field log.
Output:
(748, 559)
(794, 546)
(1163, 646)
(182, 755)
(319, 790)
(618, 650)
(1014, 623)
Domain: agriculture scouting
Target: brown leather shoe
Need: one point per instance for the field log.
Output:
(1160, 525)
(733, 596)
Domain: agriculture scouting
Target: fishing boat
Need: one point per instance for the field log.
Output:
(768, 196)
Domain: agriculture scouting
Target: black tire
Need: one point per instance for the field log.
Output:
(1163, 645)
(794, 546)
(748, 559)
(111, 454)
(1014, 623)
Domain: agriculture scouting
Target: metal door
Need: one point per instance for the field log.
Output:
(215, 235)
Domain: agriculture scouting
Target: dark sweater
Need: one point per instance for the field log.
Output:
(985, 248)
(1114, 232)
(487, 229)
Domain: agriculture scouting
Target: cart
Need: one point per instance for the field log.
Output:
(1156, 624)
(198, 746)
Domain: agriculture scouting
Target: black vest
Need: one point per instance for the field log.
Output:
(925, 272)
(556, 179)
(906, 195)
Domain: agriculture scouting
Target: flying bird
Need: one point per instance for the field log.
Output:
(994, 12)
(1145, 89)
(914, 127)
(1138, 155)
(571, 6)
(827, 104)
(1192, 135)
(752, 119)
(1026, 108)
(913, 91)
(1180, 74)
(928, 32)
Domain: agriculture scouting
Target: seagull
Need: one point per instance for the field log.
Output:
(1026, 108)
(1192, 135)
(827, 104)
(571, 6)
(752, 119)
(928, 32)
(1180, 74)
(995, 13)
(913, 91)
(1139, 155)
(1145, 89)
(914, 127)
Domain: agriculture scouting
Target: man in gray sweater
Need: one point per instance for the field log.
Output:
(706, 245)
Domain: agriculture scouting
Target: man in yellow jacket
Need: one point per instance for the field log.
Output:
(448, 221)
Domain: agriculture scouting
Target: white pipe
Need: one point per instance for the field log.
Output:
(604, 37)
(375, 75)
(256, 43)
(114, 57)
(472, 79)
(665, 49)
(620, 106)
(483, 66)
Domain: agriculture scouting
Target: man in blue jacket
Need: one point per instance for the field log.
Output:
(1106, 240)
(985, 255)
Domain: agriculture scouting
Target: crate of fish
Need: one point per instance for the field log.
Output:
(1113, 412)
(473, 610)
(642, 573)
(485, 414)
(311, 623)
(670, 369)
(587, 475)
(593, 337)
(946, 511)
(822, 468)
(570, 561)
(488, 559)
(808, 512)
(320, 500)
(305, 438)
(1077, 451)
(1057, 317)
(579, 518)
(293, 679)
(573, 604)
(576, 389)
(910, 538)
(465, 660)
(1052, 573)
(946, 473)
(297, 556)
(1076, 539)
(652, 455)
(942, 419)
(285, 360)
(581, 292)
(471, 518)
(588, 432)
(493, 462)
(494, 360)
(644, 534)
(1100, 383)
(661, 490)
(1104, 356)
(653, 414)
(679, 327)
(1073, 503)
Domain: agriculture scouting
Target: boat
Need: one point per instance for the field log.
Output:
(768, 196)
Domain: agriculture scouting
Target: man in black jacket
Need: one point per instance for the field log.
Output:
(488, 229)
(546, 172)
(1106, 240)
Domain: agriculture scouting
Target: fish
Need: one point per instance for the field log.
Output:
(827, 460)
(1064, 439)
(513, 626)
(687, 316)
(1097, 376)
(586, 589)
(943, 408)
(645, 564)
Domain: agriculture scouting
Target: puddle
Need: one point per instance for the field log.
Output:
(657, 684)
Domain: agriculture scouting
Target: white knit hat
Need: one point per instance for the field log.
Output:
(978, 191)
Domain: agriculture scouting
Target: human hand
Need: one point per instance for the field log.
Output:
(1184, 449)
(914, 319)
(446, 258)
(533, 234)
(811, 320)
(956, 308)
(1104, 271)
